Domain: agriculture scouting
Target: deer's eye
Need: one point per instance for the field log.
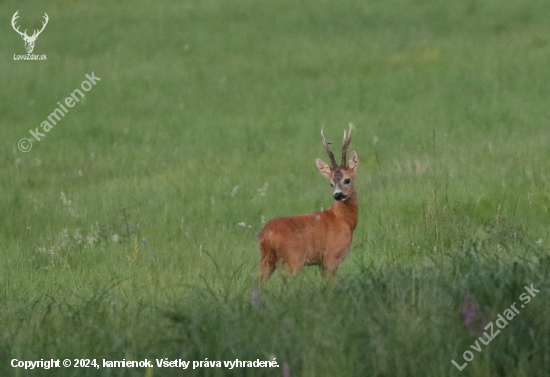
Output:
(331, 185)
(347, 181)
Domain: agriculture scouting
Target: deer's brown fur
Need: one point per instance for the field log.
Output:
(322, 238)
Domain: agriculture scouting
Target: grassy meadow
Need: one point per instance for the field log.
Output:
(119, 230)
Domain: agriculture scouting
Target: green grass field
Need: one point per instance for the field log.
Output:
(208, 115)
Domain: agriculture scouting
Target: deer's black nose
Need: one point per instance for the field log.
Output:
(339, 196)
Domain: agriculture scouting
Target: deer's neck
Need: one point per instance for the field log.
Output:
(348, 210)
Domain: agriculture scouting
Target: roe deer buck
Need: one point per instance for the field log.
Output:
(321, 238)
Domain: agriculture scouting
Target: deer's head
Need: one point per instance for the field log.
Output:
(29, 41)
(341, 176)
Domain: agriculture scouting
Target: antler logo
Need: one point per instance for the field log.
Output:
(29, 41)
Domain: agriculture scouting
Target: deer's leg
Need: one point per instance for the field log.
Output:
(328, 272)
(290, 263)
(331, 262)
(268, 261)
(266, 268)
(291, 269)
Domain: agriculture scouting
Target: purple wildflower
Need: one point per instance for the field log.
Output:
(288, 322)
(470, 313)
(286, 370)
(255, 299)
(144, 240)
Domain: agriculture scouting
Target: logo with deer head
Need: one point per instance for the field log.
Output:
(29, 41)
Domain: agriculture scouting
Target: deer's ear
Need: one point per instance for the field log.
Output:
(323, 167)
(353, 161)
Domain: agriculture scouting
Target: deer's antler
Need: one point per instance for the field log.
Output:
(15, 17)
(345, 146)
(37, 33)
(329, 152)
(24, 34)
